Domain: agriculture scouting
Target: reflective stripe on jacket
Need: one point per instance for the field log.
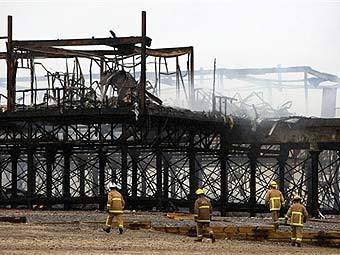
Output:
(115, 202)
(298, 214)
(275, 199)
(203, 209)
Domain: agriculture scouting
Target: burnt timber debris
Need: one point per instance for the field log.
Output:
(64, 140)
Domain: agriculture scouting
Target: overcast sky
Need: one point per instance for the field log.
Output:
(239, 33)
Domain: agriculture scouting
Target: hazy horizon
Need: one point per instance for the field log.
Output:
(239, 34)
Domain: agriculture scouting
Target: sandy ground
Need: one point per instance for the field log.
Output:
(35, 237)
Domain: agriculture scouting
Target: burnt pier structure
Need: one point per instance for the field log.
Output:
(63, 141)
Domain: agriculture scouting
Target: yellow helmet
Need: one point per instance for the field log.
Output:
(297, 197)
(273, 184)
(199, 192)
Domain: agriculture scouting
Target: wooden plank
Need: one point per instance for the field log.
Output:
(13, 219)
(259, 233)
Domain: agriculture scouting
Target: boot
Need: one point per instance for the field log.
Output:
(120, 230)
(298, 244)
(106, 229)
(212, 236)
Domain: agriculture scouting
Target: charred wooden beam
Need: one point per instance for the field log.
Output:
(114, 42)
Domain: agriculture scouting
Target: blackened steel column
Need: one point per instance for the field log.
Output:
(102, 163)
(193, 185)
(14, 153)
(50, 155)
(66, 177)
(159, 176)
(143, 63)
(31, 174)
(82, 168)
(134, 157)
(252, 155)
(282, 158)
(223, 173)
(11, 68)
(167, 158)
(124, 160)
(313, 195)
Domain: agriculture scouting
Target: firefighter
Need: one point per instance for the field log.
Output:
(203, 210)
(275, 200)
(298, 215)
(115, 206)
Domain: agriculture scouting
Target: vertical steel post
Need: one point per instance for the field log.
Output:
(166, 177)
(50, 154)
(159, 176)
(66, 176)
(252, 155)
(32, 79)
(192, 73)
(10, 67)
(102, 163)
(81, 168)
(214, 89)
(193, 184)
(134, 158)
(282, 158)
(31, 174)
(124, 161)
(177, 83)
(14, 153)
(313, 195)
(143, 63)
(223, 173)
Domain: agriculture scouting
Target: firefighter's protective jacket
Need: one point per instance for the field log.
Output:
(275, 199)
(203, 209)
(115, 202)
(297, 214)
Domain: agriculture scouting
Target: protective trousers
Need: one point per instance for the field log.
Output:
(203, 228)
(296, 236)
(275, 216)
(119, 217)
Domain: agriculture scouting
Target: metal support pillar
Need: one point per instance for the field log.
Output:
(223, 173)
(159, 176)
(50, 156)
(252, 155)
(313, 194)
(11, 67)
(82, 167)
(134, 157)
(192, 73)
(124, 171)
(282, 158)
(102, 163)
(143, 63)
(14, 153)
(167, 158)
(31, 175)
(193, 184)
(66, 177)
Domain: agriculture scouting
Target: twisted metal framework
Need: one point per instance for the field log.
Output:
(63, 145)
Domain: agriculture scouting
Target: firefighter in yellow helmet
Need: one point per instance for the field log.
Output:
(298, 215)
(275, 200)
(203, 210)
(115, 206)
